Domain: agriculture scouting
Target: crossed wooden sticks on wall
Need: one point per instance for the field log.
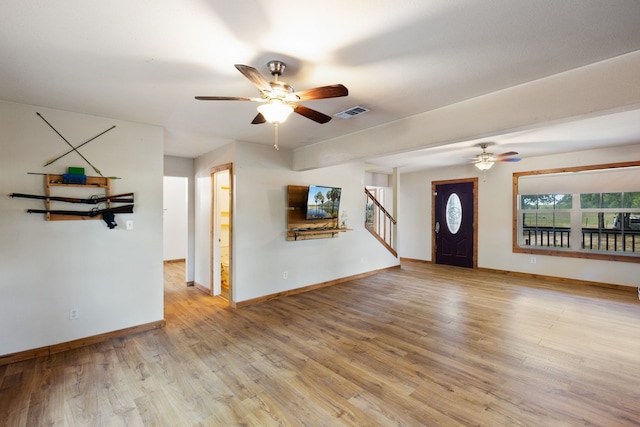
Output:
(72, 147)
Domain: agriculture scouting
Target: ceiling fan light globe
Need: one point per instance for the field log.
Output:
(275, 111)
(484, 165)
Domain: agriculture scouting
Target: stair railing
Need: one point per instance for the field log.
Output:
(379, 222)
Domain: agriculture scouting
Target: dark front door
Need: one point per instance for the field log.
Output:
(454, 223)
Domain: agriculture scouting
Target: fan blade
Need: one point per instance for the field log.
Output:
(508, 153)
(322, 92)
(225, 98)
(314, 115)
(255, 77)
(508, 159)
(258, 119)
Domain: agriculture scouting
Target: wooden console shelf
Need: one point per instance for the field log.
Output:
(298, 227)
(93, 182)
(316, 233)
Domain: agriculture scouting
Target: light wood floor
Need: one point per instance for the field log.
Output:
(421, 345)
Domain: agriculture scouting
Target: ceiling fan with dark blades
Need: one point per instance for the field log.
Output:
(485, 160)
(278, 98)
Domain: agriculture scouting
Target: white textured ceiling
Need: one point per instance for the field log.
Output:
(144, 61)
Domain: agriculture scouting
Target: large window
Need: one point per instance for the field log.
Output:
(611, 221)
(588, 212)
(546, 219)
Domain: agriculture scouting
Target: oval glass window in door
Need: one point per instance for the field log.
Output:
(453, 213)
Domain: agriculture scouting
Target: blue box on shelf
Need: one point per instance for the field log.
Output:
(72, 178)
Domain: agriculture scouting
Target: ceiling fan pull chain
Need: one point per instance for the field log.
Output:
(275, 127)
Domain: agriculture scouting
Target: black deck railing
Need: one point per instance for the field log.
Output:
(592, 238)
(543, 236)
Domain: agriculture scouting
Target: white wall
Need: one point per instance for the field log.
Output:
(113, 278)
(261, 252)
(494, 218)
(175, 218)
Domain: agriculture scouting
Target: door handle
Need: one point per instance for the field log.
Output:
(437, 227)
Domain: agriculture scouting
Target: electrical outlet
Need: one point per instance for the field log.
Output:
(533, 260)
(285, 274)
(73, 313)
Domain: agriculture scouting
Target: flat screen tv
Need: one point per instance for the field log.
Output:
(323, 202)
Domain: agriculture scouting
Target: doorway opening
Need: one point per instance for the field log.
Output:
(175, 219)
(221, 237)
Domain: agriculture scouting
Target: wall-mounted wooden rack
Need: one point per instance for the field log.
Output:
(93, 182)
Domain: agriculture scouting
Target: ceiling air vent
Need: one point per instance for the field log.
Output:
(351, 112)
